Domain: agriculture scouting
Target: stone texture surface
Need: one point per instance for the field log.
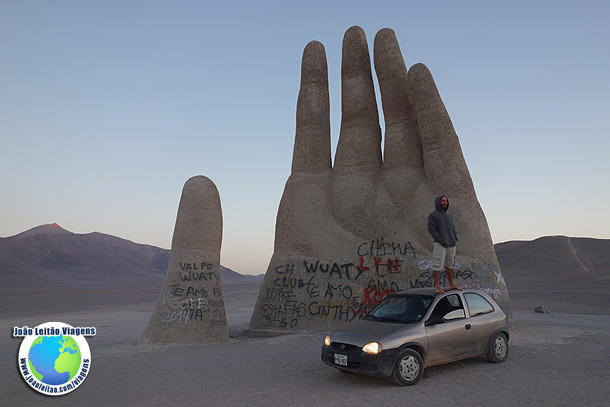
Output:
(349, 234)
(190, 308)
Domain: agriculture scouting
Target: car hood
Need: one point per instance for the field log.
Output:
(362, 332)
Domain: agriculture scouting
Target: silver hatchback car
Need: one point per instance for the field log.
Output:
(418, 328)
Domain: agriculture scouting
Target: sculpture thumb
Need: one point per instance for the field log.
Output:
(190, 308)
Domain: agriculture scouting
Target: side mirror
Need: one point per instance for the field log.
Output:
(433, 320)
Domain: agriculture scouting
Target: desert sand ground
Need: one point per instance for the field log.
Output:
(555, 360)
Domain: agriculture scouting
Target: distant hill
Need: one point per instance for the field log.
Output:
(554, 258)
(565, 274)
(50, 256)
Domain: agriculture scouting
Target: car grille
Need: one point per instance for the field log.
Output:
(345, 347)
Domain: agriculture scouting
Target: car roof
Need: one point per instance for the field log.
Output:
(432, 292)
(418, 291)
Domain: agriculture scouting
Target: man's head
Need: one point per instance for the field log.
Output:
(444, 202)
(441, 203)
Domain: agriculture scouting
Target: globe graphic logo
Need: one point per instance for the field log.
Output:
(54, 360)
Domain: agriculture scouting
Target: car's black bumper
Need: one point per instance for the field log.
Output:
(360, 362)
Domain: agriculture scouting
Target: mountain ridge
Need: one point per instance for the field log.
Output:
(50, 256)
(559, 258)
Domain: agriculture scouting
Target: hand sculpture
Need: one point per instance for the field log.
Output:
(350, 234)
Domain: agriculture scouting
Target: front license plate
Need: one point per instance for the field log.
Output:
(340, 359)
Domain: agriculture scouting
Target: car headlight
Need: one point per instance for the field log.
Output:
(372, 348)
(327, 341)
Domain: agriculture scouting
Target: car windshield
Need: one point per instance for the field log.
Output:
(401, 308)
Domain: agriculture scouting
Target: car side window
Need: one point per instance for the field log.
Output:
(477, 305)
(449, 307)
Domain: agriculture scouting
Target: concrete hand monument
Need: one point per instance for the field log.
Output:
(349, 234)
(190, 308)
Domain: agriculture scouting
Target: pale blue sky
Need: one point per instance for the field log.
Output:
(108, 107)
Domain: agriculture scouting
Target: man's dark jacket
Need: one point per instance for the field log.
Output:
(440, 225)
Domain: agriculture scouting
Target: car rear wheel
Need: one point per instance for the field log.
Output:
(498, 348)
(408, 368)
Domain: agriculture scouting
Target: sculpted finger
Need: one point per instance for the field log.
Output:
(312, 139)
(192, 282)
(360, 138)
(402, 141)
(442, 154)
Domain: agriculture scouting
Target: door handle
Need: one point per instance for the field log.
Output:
(468, 326)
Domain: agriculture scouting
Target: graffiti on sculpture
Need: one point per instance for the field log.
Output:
(198, 296)
(343, 292)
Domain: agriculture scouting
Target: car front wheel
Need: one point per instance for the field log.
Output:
(498, 348)
(408, 368)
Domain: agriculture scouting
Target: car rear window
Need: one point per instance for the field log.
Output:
(477, 304)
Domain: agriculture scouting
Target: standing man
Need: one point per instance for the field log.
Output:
(440, 227)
